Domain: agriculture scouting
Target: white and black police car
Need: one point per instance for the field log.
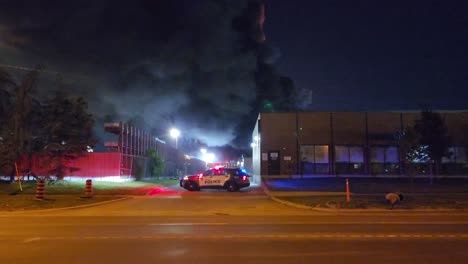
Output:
(218, 177)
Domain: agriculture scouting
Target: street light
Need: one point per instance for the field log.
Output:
(174, 133)
(203, 150)
(209, 157)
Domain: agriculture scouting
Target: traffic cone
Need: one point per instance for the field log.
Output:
(88, 193)
(348, 198)
(40, 190)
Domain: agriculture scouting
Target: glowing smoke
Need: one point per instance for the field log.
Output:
(200, 65)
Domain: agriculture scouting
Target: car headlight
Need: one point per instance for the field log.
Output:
(185, 177)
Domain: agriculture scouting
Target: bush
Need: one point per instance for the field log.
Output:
(156, 163)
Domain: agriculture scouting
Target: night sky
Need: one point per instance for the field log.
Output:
(374, 55)
(204, 67)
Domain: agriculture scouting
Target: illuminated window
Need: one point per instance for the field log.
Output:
(315, 159)
(349, 159)
(457, 161)
(461, 155)
(377, 155)
(384, 160)
(341, 154)
(356, 155)
(452, 154)
(391, 155)
(321, 154)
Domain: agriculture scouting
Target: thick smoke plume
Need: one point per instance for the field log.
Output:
(202, 66)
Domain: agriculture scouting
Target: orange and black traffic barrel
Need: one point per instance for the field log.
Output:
(88, 193)
(40, 189)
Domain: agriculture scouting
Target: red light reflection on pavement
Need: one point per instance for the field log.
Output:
(162, 191)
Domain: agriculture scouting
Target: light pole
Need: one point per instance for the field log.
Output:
(174, 133)
(209, 158)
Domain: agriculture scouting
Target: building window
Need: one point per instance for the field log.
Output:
(349, 160)
(456, 162)
(384, 160)
(315, 159)
(461, 157)
(461, 154)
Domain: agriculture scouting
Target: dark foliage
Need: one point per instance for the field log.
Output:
(426, 141)
(61, 128)
(67, 132)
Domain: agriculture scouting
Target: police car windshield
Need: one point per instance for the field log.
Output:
(218, 171)
(236, 172)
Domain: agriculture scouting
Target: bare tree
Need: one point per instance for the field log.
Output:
(16, 131)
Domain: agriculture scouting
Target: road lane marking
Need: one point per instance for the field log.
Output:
(186, 224)
(31, 239)
(322, 223)
(303, 236)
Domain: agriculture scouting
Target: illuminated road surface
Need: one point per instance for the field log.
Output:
(220, 227)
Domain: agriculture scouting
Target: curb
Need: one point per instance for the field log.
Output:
(329, 210)
(287, 203)
(67, 208)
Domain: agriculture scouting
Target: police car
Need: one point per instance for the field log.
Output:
(231, 179)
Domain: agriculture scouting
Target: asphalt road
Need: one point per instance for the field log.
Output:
(173, 226)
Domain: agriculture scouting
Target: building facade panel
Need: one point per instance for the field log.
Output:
(409, 118)
(278, 149)
(348, 143)
(457, 125)
(349, 128)
(383, 127)
(315, 128)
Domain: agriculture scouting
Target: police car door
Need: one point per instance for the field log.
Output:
(220, 177)
(215, 177)
(206, 179)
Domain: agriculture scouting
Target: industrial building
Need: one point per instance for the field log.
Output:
(346, 143)
(133, 144)
(125, 158)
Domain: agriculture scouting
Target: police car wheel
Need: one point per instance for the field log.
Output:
(191, 186)
(232, 187)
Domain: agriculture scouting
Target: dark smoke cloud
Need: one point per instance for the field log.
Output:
(202, 66)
